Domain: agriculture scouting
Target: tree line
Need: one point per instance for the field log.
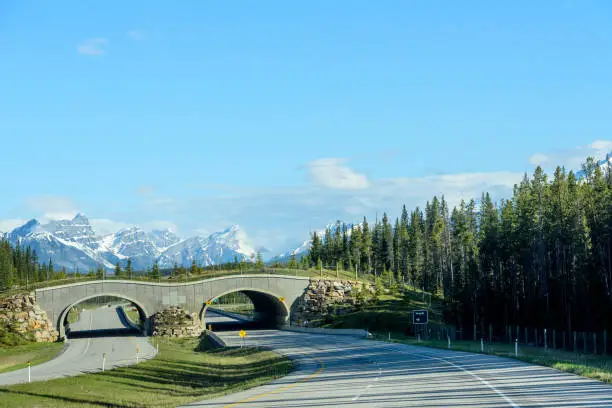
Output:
(541, 258)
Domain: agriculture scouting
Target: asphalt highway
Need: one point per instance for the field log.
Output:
(84, 354)
(340, 371)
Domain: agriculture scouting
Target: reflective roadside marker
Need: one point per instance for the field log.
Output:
(137, 353)
(242, 334)
(103, 360)
(29, 372)
(282, 299)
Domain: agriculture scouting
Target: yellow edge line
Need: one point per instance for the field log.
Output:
(253, 398)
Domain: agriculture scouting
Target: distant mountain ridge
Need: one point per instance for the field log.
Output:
(74, 245)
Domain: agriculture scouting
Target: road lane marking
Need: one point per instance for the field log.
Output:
(356, 397)
(482, 380)
(277, 390)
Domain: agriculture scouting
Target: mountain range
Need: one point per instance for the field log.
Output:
(74, 244)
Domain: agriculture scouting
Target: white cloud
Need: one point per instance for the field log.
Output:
(51, 207)
(538, 159)
(10, 224)
(602, 145)
(104, 226)
(93, 46)
(332, 173)
(136, 34)
(572, 158)
(145, 191)
(159, 225)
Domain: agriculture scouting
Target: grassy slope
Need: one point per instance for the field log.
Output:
(598, 367)
(390, 313)
(184, 371)
(15, 358)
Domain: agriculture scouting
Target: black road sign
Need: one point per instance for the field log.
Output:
(419, 316)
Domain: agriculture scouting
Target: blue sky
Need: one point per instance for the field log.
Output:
(283, 117)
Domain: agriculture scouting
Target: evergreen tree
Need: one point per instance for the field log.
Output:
(118, 271)
(155, 273)
(259, 263)
(128, 268)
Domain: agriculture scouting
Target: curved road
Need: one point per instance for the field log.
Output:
(83, 355)
(340, 371)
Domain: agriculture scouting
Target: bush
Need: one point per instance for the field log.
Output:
(10, 338)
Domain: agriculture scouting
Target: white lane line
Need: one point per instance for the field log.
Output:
(356, 397)
(465, 370)
(89, 339)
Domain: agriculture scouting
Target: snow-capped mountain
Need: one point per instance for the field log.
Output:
(219, 247)
(304, 248)
(73, 244)
(163, 238)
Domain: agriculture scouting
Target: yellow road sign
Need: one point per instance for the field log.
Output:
(28, 363)
(209, 302)
(242, 333)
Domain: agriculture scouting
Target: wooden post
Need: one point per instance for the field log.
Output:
(575, 343)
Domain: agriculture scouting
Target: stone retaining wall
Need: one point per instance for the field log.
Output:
(25, 317)
(325, 296)
(175, 322)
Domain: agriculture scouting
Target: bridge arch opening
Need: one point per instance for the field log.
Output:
(103, 314)
(266, 311)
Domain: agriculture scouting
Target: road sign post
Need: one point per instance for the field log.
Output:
(420, 318)
(242, 334)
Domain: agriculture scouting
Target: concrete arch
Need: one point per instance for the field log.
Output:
(263, 301)
(141, 310)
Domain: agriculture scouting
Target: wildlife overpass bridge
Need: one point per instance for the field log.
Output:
(273, 296)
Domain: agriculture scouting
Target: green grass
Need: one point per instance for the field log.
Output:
(133, 315)
(185, 371)
(392, 312)
(15, 358)
(598, 367)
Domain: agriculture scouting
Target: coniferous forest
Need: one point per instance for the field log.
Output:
(541, 258)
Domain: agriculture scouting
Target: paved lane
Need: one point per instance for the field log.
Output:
(84, 355)
(338, 371)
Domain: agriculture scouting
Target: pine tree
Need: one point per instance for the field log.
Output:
(128, 268)
(118, 271)
(155, 273)
(259, 263)
(292, 262)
